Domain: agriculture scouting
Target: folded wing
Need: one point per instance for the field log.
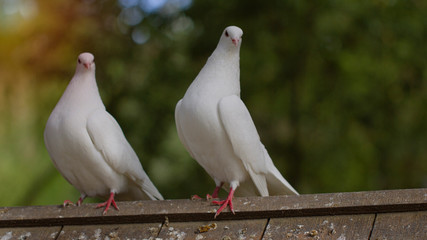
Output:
(244, 138)
(109, 140)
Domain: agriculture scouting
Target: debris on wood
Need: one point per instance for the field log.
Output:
(205, 228)
(313, 233)
(166, 221)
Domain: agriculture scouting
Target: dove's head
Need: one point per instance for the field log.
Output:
(231, 38)
(85, 62)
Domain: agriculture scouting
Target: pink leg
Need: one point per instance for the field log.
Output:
(225, 202)
(208, 196)
(215, 192)
(80, 201)
(108, 203)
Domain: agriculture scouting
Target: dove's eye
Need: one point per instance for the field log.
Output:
(226, 33)
(78, 60)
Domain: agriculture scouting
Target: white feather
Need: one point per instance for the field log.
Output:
(88, 147)
(217, 130)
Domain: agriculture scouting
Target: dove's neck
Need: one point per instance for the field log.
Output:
(82, 93)
(221, 74)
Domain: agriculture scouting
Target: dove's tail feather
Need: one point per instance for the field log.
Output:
(259, 181)
(277, 184)
(148, 188)
(140, 191)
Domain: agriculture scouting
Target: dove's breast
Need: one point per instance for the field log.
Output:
(76, 158)
(207, 139)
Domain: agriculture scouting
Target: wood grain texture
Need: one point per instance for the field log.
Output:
(321, 227)
(27, 233)
(408, 225)
(201, 210)
(238, 229)
(112, 231)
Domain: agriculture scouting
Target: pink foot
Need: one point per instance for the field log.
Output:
(79, 202)
(67, 203)
(195, 197)
(208, 196)
(225, 202)
(108, 203)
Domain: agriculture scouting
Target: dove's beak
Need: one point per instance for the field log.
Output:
(87, 65)
(235, 41)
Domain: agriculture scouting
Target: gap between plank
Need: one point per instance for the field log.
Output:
(265, 228)
(373, 225)
(59, 232)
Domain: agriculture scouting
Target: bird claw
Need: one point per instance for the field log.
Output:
(107, 205)
(224, 203)
(195, 197)
(208, 197)
(223, 206)
(218, 202)
(106, 208)
(68, 203)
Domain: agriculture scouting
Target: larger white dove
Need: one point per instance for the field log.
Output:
(88, 147)
(217, 130)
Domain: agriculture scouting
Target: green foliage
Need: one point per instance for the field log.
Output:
(337, 89)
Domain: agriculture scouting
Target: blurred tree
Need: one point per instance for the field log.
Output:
(336, 89)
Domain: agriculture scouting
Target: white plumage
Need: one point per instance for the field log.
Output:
(88, 147)
(217, 130)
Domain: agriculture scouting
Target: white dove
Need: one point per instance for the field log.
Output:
(217, 130)
(88, 147)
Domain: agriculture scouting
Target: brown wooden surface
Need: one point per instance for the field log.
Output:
(321, 227)
(408, 225)
(113, 231)
(29, 233)
(238, 229)
(396, 214)
(202, 210)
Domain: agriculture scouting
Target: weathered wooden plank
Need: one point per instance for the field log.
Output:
(202, 210)
(320, 227)
(29, 233)
(113, 231)
(238, 229)
(409, 225)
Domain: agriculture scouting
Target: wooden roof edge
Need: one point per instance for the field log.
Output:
(369, 202)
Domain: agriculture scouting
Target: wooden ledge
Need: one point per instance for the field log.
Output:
(372, 202)
(395, 214)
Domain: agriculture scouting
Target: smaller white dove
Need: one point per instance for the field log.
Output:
(88, 147)
(217, 130)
